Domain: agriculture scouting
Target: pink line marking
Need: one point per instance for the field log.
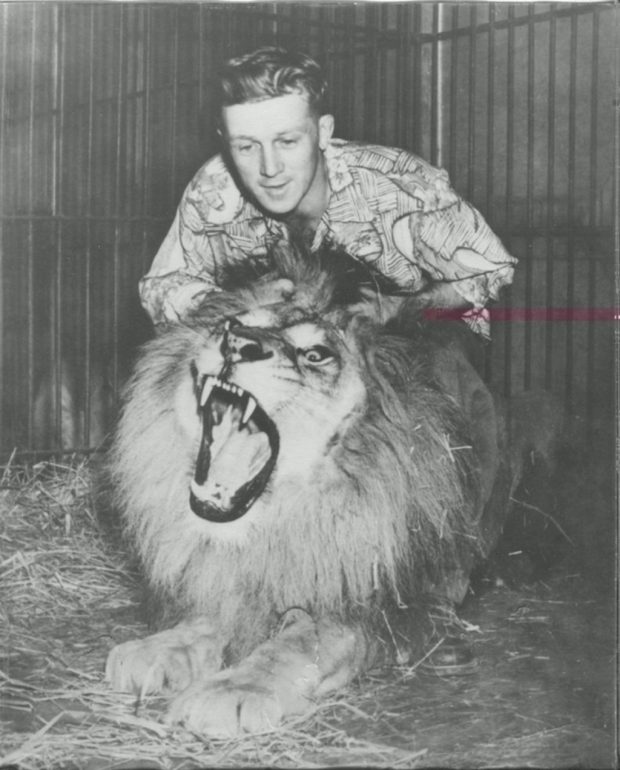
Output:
(520, 314)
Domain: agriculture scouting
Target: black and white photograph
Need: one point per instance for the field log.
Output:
(308, 384)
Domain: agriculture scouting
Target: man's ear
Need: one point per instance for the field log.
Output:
(326, 129)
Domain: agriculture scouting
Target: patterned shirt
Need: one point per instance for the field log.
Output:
(387, 208)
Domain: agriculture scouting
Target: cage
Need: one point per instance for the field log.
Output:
(107, 111)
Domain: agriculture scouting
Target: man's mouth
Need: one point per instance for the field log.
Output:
(274, 189)
(238, 452)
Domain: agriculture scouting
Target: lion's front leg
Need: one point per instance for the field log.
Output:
(282, 677)
(170, 660)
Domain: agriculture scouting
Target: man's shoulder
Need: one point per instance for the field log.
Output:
(214, 194)
(380, 160)
(213, 173)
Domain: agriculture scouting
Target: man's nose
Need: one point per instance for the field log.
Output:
(270, 164)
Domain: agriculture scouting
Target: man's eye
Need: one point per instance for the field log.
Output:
(318, 354)
(288, 142)
(244, 148)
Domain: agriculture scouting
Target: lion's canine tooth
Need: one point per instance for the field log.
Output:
(208, 386)
(249, 410)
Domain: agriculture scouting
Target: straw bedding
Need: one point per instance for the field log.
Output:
(542, 695)
(68, 594)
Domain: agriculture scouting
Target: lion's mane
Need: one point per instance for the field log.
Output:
(386, 518)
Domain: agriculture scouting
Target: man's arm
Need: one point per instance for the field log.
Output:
(170, 290)
(196, 246)
(465, 263)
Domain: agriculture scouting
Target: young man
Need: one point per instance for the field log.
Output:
(281, 172)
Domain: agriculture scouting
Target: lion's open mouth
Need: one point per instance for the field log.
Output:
(238, 451)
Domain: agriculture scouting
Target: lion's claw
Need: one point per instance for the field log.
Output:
(224, 709)
(170, 660)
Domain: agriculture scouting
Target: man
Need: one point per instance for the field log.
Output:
(282, 173)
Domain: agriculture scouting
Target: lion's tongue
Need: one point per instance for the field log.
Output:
(236, 457)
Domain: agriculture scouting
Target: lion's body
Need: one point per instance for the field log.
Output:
(374, 501)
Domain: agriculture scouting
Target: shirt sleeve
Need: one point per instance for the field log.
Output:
(185, 267)
(450, 240)
(171, 288)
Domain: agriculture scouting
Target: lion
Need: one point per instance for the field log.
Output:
(298, 486)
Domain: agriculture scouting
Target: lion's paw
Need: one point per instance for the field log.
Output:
(224, 709)
(170, 660)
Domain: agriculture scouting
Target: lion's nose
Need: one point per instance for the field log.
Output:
(241, 344)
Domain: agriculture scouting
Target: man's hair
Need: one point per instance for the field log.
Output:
(270, 72)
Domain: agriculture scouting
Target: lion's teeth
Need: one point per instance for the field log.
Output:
(211, 382)
(208, 386)
(249, 410)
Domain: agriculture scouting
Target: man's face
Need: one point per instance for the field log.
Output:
(276, 146)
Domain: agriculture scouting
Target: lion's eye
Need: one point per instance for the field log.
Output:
(317, 354)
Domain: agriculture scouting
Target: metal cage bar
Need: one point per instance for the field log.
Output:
(490, 131)
(550, 241)
(436, 90)
(416, 126)
(529, 193)
(570, 289)
(594, 183)
(453, 50)
(88, 254)
(510, 81)
(471, 115)
(4, 31)
(30, 238)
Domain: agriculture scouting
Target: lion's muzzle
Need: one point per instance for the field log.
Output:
(243, 344)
